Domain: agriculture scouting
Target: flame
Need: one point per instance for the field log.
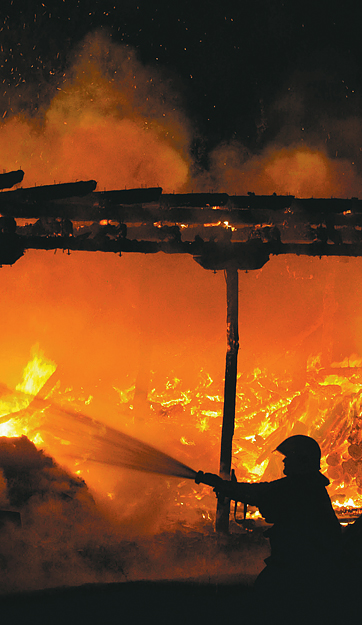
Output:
(346, 503)
(183, 412)
(261, 422)
(36, 373)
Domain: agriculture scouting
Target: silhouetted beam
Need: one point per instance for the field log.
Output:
(246, 256)
(131, 196)
(46, 193)
(210, 255)
(33, 203)
(206, 200)
(327, 206)
(148, 205)
(11, 178)
(261, 202)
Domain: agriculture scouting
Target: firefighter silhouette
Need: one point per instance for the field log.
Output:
(305, 535)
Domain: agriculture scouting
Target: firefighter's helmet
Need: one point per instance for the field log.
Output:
(302, 451)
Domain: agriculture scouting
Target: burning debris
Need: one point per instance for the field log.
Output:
(326, 406)
(70, 537)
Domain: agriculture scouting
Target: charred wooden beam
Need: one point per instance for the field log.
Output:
(11, 248)
(289, 203)
(261, 202)
(216, 229)
(246, 256)
(197, 200)
(79, 201)
(30, 204)
(210, 255)
(11, 178)
(82, 244)
(19, 199)
(228, 424)
(132, 196)
(328, 206)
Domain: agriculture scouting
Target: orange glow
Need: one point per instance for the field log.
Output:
(301, 171)
(108, 122)
(138, 342)
(256, 434)
(87, 311)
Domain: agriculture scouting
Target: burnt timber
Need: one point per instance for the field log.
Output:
(219, 230)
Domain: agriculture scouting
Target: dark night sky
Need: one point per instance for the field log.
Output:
(245, 71)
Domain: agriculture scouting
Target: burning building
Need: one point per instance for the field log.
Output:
(112, 333)
(114, 304)
(293, 376)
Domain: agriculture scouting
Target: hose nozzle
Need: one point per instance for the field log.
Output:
(210, 479)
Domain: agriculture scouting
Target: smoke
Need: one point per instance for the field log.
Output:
(110, 119)
(66, 538)
(308, 137)
(298, 169)
(114, 120)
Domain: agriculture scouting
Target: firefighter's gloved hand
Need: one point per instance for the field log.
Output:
(211, 479)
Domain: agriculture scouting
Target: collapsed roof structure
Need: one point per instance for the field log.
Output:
(217, 229)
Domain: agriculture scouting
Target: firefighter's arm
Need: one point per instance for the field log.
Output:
(237, 491)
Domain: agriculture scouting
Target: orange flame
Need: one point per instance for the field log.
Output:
(261, 422)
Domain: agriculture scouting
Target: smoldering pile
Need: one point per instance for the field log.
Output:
(29, 475)
(58, 520)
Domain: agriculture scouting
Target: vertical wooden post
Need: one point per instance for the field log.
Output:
(232, 298)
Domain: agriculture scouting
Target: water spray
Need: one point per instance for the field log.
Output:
(89, 440)
(92, 441)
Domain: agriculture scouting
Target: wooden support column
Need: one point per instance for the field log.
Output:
(232, 298)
